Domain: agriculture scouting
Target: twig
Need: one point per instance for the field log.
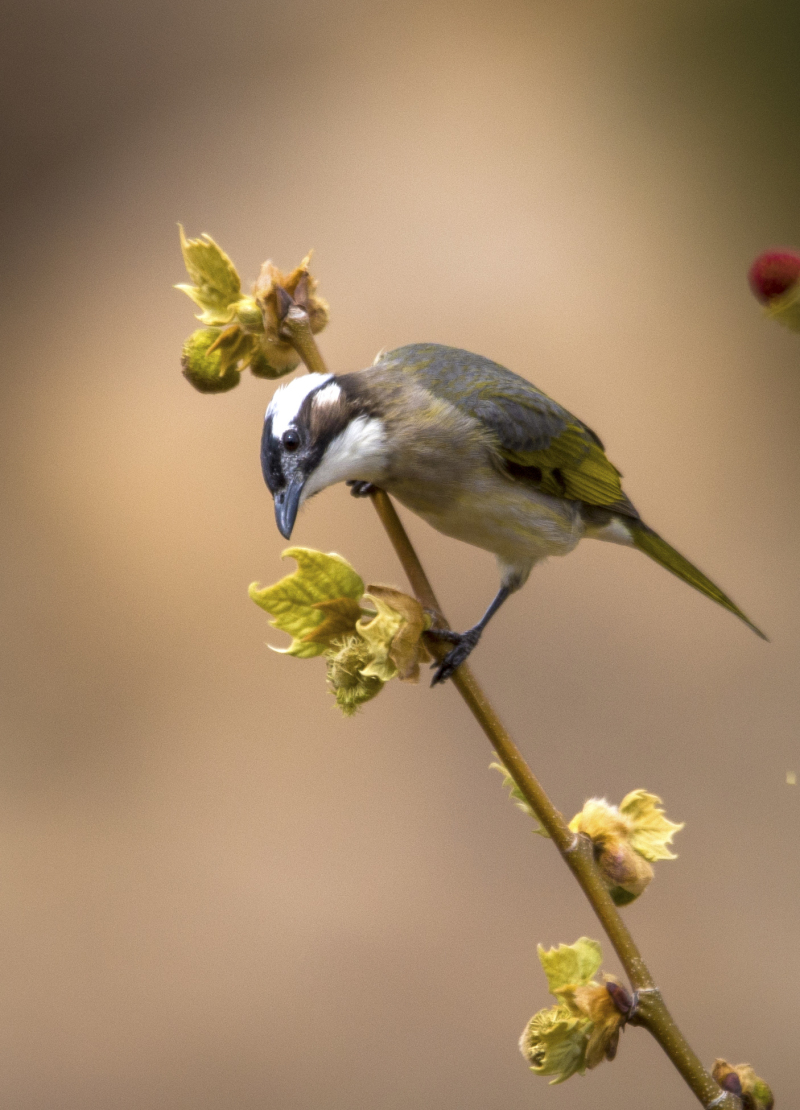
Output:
(576, 849)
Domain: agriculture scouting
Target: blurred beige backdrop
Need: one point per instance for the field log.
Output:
(216, 892)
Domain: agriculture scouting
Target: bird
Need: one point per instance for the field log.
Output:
(474, 449)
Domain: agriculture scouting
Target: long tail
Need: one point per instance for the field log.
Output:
(652, 544)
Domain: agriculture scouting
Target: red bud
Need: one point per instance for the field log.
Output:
(772, 273)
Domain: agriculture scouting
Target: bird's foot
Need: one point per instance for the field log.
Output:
(464, 643)
(361, 489)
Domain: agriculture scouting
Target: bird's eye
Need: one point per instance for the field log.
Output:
(290, 440)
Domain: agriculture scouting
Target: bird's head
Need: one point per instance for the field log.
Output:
(317, 431)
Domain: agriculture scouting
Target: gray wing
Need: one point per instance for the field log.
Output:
(537, 439)
(522, 417)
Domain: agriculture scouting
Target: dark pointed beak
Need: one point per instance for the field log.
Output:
(287, 502)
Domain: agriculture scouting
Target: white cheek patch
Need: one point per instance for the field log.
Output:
(359, 452)
(286, 403)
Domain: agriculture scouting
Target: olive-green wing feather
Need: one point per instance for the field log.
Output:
(540, 441)
(536, 438)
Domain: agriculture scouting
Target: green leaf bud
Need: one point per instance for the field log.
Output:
(267, 361)
(350, 686)
(570, 964)
(626, 840)
(786, 309)
(741, 1080)
(249, 316)
(207, 370)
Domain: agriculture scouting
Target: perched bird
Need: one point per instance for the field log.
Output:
(476, 451)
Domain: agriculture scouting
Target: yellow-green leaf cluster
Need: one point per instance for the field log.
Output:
(627, 839)
(240, 331)
(321, 606)
(583, 1028)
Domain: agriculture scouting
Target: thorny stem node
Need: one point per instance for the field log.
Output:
(650, 1010)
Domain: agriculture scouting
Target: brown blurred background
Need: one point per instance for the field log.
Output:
(216, 893)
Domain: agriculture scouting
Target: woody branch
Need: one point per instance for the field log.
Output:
(576, 850)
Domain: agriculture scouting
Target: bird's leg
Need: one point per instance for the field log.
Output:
(361, 489)
(464, 641)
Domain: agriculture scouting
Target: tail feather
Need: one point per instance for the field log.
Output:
(652, 544)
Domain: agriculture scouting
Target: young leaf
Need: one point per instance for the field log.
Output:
(394, 635)
(215, 284)
(570, 965)
(516, 794)
(650, 829)
(294, 601)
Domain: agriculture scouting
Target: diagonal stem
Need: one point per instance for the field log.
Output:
(576, 850)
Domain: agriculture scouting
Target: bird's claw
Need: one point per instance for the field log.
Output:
(361, 489)
(464, 643)
(445, 634)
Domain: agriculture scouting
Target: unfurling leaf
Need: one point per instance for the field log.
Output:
(583, 1029)
(294, 601)
(626, 840)
(394, 635)
(516, 794)
(215, 287)
(205, 365)
(554, 1043)
(741, 1080)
